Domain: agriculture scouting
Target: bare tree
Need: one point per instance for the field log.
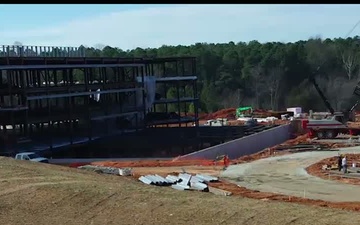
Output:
(258, 82)
(334, 92)
(273, 82)
(349, 60)
(233, 98)
(337, 89)
(356, 75)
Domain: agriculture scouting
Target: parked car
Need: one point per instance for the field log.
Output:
(31, 156)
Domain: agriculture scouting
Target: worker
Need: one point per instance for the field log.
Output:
(344, 164)
(226, 161)
(339, 162)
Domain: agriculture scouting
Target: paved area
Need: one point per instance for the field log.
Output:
(287, 175)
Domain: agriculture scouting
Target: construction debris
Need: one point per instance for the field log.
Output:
(326, 167)
(207, 178)
(125, 172)
(155, 180)
(173, 179)
(107, 170)
(199, 186)
(146, 180)
(183, 181)
(306, 146)
(180, 187)
(218, 191)
(299, 146)
(185, 178)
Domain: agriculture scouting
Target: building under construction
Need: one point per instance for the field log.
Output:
(52, 98)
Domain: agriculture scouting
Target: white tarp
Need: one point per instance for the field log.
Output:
(150, 91)
(96, 96)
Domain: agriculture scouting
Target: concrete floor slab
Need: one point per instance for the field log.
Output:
(287, 175)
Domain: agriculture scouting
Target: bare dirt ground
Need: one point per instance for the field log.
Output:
(316, 169)
(33, 193)
(286, 175)
(212, 167)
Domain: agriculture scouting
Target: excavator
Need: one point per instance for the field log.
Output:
(335, 123)
(246, 111)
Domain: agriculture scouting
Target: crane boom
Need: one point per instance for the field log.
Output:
(348, 114)
(354, 106)
(326, 102)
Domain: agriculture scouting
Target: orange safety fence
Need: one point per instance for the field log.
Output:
(77, 164)
(161, 163)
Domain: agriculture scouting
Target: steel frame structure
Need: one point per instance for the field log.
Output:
(40, 51)
(49, 98)
(178, 73)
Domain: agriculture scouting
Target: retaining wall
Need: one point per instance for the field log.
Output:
(245, 145)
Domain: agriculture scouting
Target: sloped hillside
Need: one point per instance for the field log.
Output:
(33, 193)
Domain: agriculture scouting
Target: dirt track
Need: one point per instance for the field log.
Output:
(286, 175)
(34, 193)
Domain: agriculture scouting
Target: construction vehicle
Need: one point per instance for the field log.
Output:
(335, 123)
(242, 112)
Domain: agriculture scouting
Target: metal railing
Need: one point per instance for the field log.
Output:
(40, 51)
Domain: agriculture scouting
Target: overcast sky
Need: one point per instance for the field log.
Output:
(131, 26)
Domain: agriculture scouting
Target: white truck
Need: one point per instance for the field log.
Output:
(31, 156)
(219, 122)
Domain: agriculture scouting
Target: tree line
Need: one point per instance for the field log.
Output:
(271, 75)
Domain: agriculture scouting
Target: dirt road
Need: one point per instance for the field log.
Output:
(286, 175)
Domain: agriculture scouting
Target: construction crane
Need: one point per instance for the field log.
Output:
(330, 126)
(326, 102)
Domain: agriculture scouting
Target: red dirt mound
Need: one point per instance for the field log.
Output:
(223, 113)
